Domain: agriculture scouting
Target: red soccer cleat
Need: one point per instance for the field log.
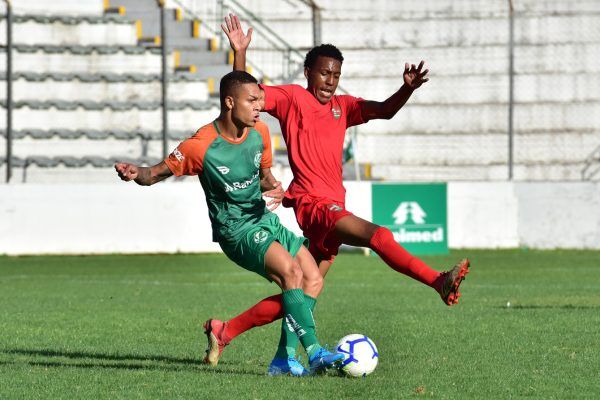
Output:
(451, 281)
(213, 328)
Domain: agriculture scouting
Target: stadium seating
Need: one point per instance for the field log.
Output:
(87, 91)
(86, 83)
(456, 126)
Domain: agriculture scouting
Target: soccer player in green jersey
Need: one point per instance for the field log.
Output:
(232, 158)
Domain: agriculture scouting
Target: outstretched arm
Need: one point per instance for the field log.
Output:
(144, 176)
(271, 187)
(238, 40)
(413, 79)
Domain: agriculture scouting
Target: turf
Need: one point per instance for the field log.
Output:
(129, 327)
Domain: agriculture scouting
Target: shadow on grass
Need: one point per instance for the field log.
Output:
(121, 361)
(549, 307)
(101, 356)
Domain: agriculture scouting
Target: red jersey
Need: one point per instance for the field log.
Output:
(314, 135)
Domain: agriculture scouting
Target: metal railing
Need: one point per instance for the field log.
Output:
(217, 33)
(292, 59)
(591, 166)
(9, 102)
(511, 91)
(164, 78)
(291, 67)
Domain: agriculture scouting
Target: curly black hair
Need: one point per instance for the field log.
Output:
(324, 50)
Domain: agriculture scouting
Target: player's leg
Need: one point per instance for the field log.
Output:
(287, 273)
(356, 231)
(312, 280)
(221, 333)
(312, 285)
(324, 266)
(308, 259)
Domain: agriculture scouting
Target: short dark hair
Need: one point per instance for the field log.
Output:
(324, 50)
(231, 81)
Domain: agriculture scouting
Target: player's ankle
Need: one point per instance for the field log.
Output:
(313, 350)
(438, 283)
(223, 335)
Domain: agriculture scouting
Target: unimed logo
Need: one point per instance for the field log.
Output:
(414, 213)
(408, 209)
(411, 211)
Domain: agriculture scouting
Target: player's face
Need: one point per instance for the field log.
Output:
(323, 78)
(246, 107)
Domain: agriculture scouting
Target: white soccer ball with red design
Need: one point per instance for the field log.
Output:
(360, 355)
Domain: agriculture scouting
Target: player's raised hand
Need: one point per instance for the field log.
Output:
(126, 171)
(238, 40)
(276, 195)
(414, 77)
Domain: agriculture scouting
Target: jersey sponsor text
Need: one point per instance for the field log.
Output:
(240, 185)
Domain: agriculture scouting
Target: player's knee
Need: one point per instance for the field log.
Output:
(313, 283)
(291, 274)
(297, 271)
(380, 236)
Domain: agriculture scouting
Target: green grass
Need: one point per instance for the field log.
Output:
(129, 327)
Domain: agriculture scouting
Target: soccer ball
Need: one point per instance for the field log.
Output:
(360, 355)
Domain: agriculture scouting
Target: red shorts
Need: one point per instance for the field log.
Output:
(317, 217)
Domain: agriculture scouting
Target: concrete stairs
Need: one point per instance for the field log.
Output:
(87, 93)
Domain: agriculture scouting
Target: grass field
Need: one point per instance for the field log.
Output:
(129, 327)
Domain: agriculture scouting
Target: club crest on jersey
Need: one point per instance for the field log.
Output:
(337, 112)
(223, 170)
(260, 236)
(257, 158)
(177, 154)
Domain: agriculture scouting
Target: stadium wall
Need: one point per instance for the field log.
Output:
(172, 217)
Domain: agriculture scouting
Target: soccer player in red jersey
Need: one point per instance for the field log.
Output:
(313, 122)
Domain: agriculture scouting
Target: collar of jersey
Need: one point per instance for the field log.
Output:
(239, 141)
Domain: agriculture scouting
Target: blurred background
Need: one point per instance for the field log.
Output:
(514, 89)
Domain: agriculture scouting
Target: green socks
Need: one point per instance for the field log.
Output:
(297, 324)
(288, 341)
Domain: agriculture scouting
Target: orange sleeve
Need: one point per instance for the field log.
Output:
(267, 156)
(188, 156)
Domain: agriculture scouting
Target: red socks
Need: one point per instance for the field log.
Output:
(394, 255)
(382, 242)
(262, 313)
